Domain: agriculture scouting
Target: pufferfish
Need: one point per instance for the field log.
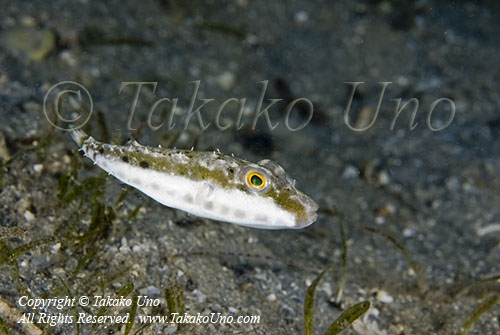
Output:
(207, 184)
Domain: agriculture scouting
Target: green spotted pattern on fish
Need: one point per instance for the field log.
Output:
(207, 184)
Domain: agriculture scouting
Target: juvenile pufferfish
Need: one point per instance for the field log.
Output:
(207, 184)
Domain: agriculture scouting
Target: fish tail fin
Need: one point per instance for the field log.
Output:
(79, 136)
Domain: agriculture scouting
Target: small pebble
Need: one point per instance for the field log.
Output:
(384, 297)
(150, 291)
(38, 168)
(490, 229)
(28, 216)
(384, 178)
(271, 297)
(68, 58)
(453, 184)
(171, 328)
(35, 43)
(407, 232)
(4, 151)
(226, 80)
(350, 171)
(55, 248)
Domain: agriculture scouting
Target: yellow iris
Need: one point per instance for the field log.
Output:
(256, 180)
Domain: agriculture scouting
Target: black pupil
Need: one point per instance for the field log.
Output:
(256, 180)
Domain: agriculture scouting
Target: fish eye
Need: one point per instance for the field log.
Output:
(256, 180)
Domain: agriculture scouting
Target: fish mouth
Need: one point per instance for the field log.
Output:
(310, 213)
(312, 217)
